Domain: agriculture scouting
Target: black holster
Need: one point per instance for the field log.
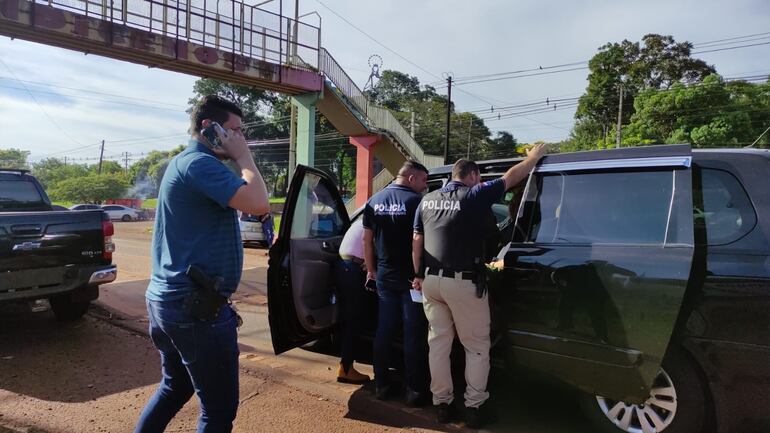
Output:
(204, 302)
(481, 280)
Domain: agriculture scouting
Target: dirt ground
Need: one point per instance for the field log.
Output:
(96, 374)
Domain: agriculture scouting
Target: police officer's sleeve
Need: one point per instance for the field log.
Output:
(489, 193)
(418, 227)
(210, 177)
(368, 217)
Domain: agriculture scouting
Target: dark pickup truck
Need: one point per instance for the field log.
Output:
(62, 256)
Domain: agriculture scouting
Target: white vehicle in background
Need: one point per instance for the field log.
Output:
(85, 207)
(251, 229)
(122, 213)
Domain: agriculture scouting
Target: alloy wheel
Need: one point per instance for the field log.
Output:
(652, 416)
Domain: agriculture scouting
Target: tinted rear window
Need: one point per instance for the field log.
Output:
(727, 210)
(607, 207)
(19, 194)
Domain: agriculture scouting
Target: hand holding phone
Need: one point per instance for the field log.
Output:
(214, 133)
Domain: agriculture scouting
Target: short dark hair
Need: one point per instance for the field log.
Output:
(212, 107)
(463, 167)
(411, 165)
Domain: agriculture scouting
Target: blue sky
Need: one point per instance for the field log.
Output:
(81, 99)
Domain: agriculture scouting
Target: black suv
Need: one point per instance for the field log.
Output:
(639, 276)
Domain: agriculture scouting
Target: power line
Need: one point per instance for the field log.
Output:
(730, 48)
(567, 67)
(730, 39)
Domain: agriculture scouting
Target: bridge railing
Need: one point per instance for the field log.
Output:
(376, 117)
(229, 25)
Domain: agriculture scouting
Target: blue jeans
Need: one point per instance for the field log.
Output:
(397, 308)
(196, 357)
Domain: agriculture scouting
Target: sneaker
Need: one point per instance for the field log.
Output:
(443, 413)
(351, 376)
(415, 399)
(473, 417)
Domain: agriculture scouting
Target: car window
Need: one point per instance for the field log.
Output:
(591, 207)
(436, 184)
(110, 208)
(19, 194)
(316, 214)
(727, 210)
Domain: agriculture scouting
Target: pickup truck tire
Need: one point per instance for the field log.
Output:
(678, 375)
(126, 218)
(65, 309)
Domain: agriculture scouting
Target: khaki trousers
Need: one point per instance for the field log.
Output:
(451, 304)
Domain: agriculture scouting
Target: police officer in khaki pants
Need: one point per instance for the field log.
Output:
(448, 255)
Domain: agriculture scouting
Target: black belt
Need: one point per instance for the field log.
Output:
(450, 273)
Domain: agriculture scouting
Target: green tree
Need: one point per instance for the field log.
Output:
(92, 188)
(145, 174)
(13, 158)
(659, 62)
(49, 171)
(404, 96)
(709, 114)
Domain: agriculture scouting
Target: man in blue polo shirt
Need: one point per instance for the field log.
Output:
(388, 218)
(196, 225)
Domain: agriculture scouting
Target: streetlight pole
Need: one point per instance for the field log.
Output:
(448, 113)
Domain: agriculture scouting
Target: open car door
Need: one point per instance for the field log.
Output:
(600, 266)
(300, 297)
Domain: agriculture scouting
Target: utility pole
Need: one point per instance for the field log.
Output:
(412, 123)
(65, 160)
(470, 127)
(620, 117)
(126, 162)
(292, 143)
(101, 157)
(448, 112)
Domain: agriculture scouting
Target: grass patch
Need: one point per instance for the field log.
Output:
(66, 204)
(150, 203)
(278, 200)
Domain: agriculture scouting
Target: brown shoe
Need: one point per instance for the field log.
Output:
(351, 376)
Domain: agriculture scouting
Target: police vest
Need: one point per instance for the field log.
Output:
(451, 240)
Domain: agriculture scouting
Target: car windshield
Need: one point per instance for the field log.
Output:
(21, 195)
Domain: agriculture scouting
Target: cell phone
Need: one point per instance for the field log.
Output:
(212, 133)
(371, 284)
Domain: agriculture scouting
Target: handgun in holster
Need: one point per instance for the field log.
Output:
(480, 278)
(204, 302)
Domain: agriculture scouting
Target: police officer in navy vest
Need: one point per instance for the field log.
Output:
(388, 220)
(448, 257)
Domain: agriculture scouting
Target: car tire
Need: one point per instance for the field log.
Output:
(126, 218)
(65, 309)
(679, 387)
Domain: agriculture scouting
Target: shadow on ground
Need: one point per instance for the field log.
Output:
(70, 362)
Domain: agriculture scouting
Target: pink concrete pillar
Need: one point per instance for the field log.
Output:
(364, 166)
